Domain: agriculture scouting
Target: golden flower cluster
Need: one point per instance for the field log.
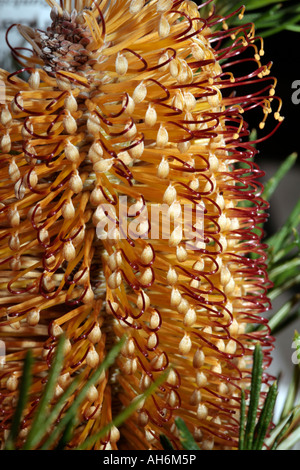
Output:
(143, 100)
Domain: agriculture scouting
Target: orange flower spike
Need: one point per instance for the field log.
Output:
(133, 109)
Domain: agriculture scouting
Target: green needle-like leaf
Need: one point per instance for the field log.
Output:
(273, 182)
(254, 396)
(124, 415)
(166, 444)
(265, 418)
(47, 396)
(22, 401)
(186, 438)
(72, 411)
(242, 421)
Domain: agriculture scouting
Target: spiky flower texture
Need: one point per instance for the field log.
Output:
(144, 100)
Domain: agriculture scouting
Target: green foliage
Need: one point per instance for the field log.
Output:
(45, 433)
(270, 16)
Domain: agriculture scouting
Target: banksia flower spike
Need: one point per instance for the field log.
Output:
(130, 205)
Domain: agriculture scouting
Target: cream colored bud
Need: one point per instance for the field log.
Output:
(115, 280)
(94, 124)
(111, 308)
(14, 242)
(201, 379)
(68, 210)
(163, 168)
(139, 402)
(5, 117)
(71, 152)
(71, 103)
(163, 27)
(44, 236)
(147, 255)
(217, 368)
(128, 348)
(121, 64)
(33, 317)
(137, 151)
(176, 236)
(164, 5)
(19, 189)
(56, 330)
(130, 366)
(14, 217)
(170, 195)
(150, 116)
(130, 105)
(143, 301)
(162, 137)
(34, 80)
(154, 321)
(63, 83)
(146, 277)
(231, 347)
(181, 254)
(234, 328)
(172, 378)
(95, 334)
(172, 276)
(189, 101)
(12, 383)
(115, 260)
(139, 93)
(184, 147)
(31, 179)
(199, 358)
(172, 399)
(95, 152)
(143, 419)
(88, 296)
(6, 143)
(175, 297)
(185, 345)
(195, 398)
(125, 157)
(229, 288)
(202, 411)
(92, 394)
(81, 277)
(162, 60)
(190, 317)
(131, 129)
(114, 434)
(69, 252)
(183, 307)
(152, 341)
(13, 171)
(136, 6)
(75, 183)
(97, 197)
(69, 123)
(64, 380)
(102, 166)
(92, 358)
(198, 51)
